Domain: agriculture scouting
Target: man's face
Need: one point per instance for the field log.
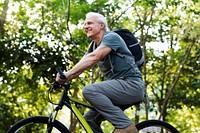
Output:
(92, 27)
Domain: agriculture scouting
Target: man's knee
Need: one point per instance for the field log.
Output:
(87, 90)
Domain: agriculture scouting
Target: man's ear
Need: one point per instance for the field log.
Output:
(102, 26)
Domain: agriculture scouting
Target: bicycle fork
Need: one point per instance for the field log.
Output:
(51, 120)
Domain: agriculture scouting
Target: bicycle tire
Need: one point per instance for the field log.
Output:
(156, 126)
(35, 122)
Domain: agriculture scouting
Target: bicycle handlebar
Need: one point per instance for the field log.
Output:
(56, 85)
(62, 75)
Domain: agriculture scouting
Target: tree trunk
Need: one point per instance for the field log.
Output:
(3, 17)
(137, 113)
(172, 87)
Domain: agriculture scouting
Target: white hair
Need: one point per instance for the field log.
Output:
(100, 19)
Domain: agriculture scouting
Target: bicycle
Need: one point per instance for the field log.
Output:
(50, 125)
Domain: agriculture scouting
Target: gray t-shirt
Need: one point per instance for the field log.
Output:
(123, 67)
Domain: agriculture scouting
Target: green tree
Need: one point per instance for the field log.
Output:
(37, 36)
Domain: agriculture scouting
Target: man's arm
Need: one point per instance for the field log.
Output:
(86, 62)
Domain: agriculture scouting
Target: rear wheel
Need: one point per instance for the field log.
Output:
(37, 124)
(155, 126)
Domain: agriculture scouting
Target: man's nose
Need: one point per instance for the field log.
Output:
(85, 26)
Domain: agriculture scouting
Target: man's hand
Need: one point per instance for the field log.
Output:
(60, 79)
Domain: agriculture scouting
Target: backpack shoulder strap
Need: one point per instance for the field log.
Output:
(91, 48)
(111, 65)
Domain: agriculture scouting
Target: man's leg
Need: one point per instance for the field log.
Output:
(102, 96)
(94, 119)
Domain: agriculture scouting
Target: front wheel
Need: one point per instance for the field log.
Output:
(155, 126)
(37, 124)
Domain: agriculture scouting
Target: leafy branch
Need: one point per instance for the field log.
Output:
(179, 70)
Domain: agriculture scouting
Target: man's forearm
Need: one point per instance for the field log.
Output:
(85, 63)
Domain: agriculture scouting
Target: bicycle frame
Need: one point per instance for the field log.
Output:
(78, 114)
(71, 103)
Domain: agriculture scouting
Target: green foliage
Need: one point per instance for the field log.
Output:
(39, 35)
(188, 114)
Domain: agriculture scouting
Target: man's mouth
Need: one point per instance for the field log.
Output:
(88, 30)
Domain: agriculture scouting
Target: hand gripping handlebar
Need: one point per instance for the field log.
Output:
(62, 75)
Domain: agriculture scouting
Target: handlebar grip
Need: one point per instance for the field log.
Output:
(62, 75)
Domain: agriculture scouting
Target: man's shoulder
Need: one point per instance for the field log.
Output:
(111, 35)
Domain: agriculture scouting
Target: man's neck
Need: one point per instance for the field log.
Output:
(98, 39)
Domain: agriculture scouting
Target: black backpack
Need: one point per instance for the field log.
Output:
(136, 50)
(132, 44)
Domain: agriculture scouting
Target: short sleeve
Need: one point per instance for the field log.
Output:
(112, 40)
